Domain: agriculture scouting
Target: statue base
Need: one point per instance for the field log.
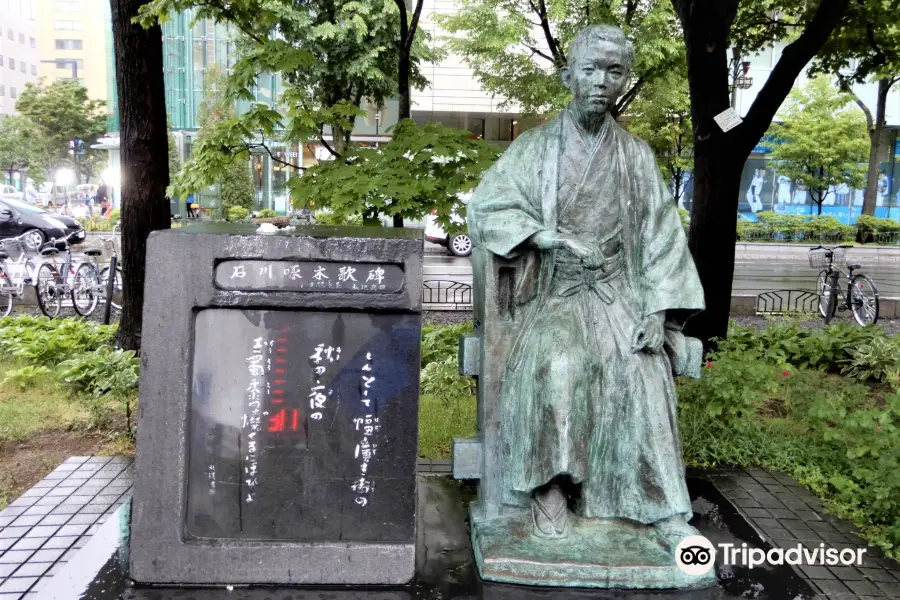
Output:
(606, 554)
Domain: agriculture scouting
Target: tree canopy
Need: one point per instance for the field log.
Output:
(821, 141)
(62, 113)
(516, 47)
(422, 169)
(21, 147)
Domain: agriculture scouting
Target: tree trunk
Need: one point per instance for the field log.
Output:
(403, 91)
(713, 234)
(719, 156)
(144, 155)
(875, 135)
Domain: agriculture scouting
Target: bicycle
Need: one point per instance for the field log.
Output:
(94, 281)
(16, 273)
(51, 287)
(112, 245)
(862, 294)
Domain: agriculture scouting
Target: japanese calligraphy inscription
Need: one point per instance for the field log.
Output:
(299, 424)
(302, 276)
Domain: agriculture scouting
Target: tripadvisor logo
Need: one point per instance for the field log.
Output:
(696, 555)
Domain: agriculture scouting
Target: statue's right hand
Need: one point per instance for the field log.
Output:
(578, 248)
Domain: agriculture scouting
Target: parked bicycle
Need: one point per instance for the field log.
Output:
(862, 294)
(17, 270)
(58, 281)
(91, 280)
(112, 245)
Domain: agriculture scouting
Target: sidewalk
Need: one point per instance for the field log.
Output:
(868, 255)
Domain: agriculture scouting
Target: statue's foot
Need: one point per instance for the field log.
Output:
(551, 513)
(673, 530)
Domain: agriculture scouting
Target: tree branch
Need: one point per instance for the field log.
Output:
(540, 53)
(793, 60)
(845, 87)
(552, 44)
(326, 144)
(414, 24)
(629, 96)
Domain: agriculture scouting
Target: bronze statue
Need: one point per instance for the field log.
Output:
(587, 423)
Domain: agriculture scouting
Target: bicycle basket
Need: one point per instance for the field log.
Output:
(821, 258)
(15, 248)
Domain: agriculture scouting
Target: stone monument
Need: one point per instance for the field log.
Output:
(278, 427)
(583, 279)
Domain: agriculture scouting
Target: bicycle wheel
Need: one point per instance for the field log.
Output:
(6, 293)
(864, 300)
(85, 289)
(827, 300)
(117, 286)
(48, 288)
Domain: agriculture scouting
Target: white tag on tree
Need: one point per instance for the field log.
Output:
(728, 119)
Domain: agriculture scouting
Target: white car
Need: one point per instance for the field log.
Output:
(8, 192)
(459, 244)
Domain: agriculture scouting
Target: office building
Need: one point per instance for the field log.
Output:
(19, 51)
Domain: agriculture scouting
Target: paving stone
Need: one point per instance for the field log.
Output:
(31, 569)
(26, 501)
(93, 529)
(5, 543)
(13, 532)
(32, 543)
(816, 572)
(834, 537)
(49, 501)
(4, 521)
(56, 568)
(846, 574)
(45, 484)
(69, 554)
(820, 526)
(891, 589)
(7, 569)
(15, 556)
(72, 530)
(56, 475)
(17, 584)
(54, 520)
(32, 492)
(42, 531)
(26, 520)
(878, 575)
(746, 502)
(12, 511)
(12, 596)
(65, 509)
(59, 541)
(47, 555)
(39, 510)
(832, 586)
(94, 509)
(83, 519)
(863, 588)
(782, 513)
(62, 490)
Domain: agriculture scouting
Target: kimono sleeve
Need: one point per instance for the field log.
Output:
(669, 279)
(505, 209)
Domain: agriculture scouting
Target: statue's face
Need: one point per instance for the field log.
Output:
(597, 76)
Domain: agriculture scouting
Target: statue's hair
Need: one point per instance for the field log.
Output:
(594, 33)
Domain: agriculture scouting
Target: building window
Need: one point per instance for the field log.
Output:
(12, 93)
(34, 69)
(67, 25)
(1, 60)
(66, 6)
(33, 42)
(68, 44)
(68, 63)
(12, 64)
(2, 90)
(10, 34)
(22, 66)
(21, 38)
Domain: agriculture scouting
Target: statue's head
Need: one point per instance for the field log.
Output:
(599, 65)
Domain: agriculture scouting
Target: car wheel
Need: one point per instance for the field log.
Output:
(34, 239)
(460, 245)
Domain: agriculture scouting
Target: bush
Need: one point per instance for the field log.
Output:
(42, 341)
(440, 342)
(685, 217)
(325, 217)
(26, 377)
(266, 213)
(236, 213)
(878, 360)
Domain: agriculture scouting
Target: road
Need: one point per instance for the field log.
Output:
(750, 277)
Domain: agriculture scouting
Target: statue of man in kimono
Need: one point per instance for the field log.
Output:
(588, 409)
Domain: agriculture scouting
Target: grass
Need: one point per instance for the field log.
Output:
(46, 423)
(44, 406)
(440, 422)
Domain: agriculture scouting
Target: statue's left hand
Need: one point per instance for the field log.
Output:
(650, 334)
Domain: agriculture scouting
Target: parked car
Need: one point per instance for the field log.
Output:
(459, 244)
(17, 217)
(8, 191)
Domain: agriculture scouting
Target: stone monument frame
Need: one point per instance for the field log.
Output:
(158, 552)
